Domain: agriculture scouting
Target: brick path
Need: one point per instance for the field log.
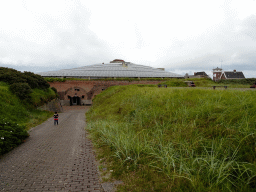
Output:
(54, 158)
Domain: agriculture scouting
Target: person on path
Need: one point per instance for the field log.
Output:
(56, 116)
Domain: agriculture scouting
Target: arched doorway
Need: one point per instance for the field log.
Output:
(75, 100)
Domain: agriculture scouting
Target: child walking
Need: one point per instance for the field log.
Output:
(56, 116)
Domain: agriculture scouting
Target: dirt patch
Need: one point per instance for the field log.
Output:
(108, 184)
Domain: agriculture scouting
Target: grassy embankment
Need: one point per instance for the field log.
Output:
(15, 110)
(20, 94)
(157, 139)
(234, 83)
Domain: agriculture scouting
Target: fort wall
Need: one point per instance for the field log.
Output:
(75, 92)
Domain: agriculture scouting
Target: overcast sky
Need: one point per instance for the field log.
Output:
(182, 36)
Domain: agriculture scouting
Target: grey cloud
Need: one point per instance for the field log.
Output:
(36, 69)
(249, 27)
(72, 43)
(231, 46)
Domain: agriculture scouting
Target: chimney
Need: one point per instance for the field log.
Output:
(234, 71)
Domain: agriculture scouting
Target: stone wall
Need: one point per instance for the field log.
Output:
(54, 105)
(86, 90)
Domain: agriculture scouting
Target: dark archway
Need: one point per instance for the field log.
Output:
(75, 100)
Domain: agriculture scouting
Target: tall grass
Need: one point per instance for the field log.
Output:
(204, 138)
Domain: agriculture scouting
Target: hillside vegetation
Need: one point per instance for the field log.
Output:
(157, 139)
(206, 82)
(20, 94)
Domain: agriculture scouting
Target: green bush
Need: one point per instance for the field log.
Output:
(11, 135)
(54, 89)
(22, 90)
(31, 80)
(11, 76)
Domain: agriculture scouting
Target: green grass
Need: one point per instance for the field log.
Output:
(176, 139)
(17, 116)
(13, 109)
(206, 82)
(3, 86)
(39, 96)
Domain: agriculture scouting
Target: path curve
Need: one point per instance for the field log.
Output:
(54, 158)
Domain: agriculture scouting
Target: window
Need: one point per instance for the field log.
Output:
(76, 89)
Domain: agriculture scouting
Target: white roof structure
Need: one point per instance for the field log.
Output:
(111, 70)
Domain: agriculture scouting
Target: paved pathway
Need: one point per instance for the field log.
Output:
(54, 158)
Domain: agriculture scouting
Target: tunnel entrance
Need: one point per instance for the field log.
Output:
(75, 100)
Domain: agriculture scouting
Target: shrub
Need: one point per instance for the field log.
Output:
(36, 81)
(11, 76)
(22, 90)
(32, 82)
(11, 135)
(54, 89)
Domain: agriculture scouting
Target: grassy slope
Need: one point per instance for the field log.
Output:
(176, 139)
(11, 108)
(244, 83)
